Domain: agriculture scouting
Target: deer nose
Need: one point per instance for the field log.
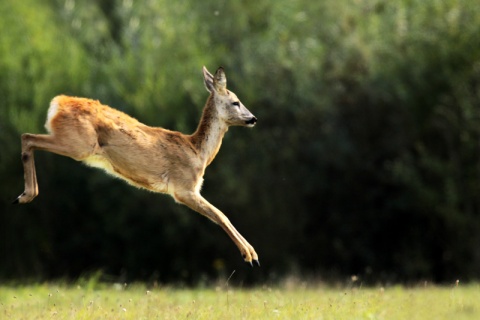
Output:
(252, 121)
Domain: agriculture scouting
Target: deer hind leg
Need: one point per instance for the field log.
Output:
(31, 142)
(196, 202)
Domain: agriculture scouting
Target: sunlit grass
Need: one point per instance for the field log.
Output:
(53, 301)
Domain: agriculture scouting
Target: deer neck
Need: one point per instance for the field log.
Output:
(207, 139)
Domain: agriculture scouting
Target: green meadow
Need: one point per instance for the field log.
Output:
(57, 301)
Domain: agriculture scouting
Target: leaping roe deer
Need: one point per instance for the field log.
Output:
(147, 157)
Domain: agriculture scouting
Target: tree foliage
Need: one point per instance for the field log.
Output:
(365, 160)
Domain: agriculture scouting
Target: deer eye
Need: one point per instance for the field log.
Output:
(236, 104)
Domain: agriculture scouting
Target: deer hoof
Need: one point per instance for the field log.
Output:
(17, 200)
(251, 263)
(24, 198)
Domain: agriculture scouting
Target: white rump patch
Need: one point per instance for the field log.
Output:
(52, 111)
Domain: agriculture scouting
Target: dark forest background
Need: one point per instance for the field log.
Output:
(365, 160)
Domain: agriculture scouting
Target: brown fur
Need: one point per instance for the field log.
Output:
(152, 158)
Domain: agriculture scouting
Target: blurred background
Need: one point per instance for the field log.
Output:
(365, 160)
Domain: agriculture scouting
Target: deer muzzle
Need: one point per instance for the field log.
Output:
(251, 122)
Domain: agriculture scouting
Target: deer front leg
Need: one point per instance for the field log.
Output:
(197, 203)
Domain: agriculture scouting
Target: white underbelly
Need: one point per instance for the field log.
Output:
(97, 161)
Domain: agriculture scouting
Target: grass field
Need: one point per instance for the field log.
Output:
(51, 301)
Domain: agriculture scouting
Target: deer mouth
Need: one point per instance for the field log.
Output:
(251, 122)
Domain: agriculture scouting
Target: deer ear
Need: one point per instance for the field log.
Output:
(208, 80)
(220, 81)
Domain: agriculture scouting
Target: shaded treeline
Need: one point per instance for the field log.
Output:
(365, 159)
